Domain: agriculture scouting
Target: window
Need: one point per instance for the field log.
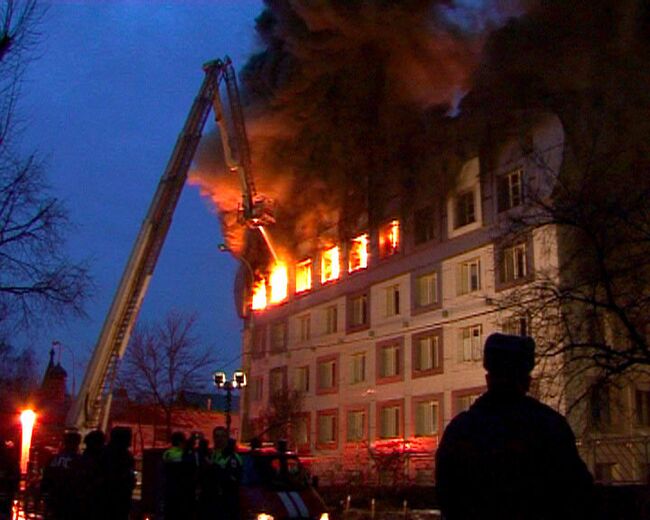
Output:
(389, 421)
(301, 379)
(426, 417)
(391, 295)
(389, 239)
(303, 276)
(277, 380)
(424, 225)
(257, 388)
(358, 253)
(513, 263)
(469, 276)
(358, 368)
(359, 310)
(515, 326)
(465, 401)
(301, 430)
(426, 290)
(426, 352)
(278, 336)
(605, 472)
(642, 406)
(330, 268)
(356, 425)
(331, 319)
(465, 212)
(259, 341)
(390, 360)
(601, 413)
(304, 323)
(327, 427)
(471, 343)
(510, 190)
(327, 379)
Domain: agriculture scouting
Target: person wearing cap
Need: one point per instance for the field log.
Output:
(510, 456)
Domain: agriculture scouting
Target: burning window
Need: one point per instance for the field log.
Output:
(278, 281)
(303, 276)
(258, 301)
(358, 253)
(330, 265)
(389, 239)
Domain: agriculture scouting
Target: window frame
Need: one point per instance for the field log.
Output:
(335, 374)
(350, 325)
(306, 416)
(397, 342)
(363, 409)
(355, 355)
(383, 405)
(436, 332)
(307, 386)
(392, 301)
(327, 310)
(469, 193)
(502, 208)
(273, 349)
(476, 353)
(416, 308)
(282, 370)
(330, 444)
(382, 232)
(439, 398)
(309, 262)
(500, 282)
(462, 277)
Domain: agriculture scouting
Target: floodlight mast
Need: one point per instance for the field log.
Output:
(91, 406)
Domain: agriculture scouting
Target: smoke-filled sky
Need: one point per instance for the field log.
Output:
(104, 103)
(332, 88)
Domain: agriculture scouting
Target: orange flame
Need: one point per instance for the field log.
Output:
(358, 253)
(27, 420)
(389, 238)
(258, 302)
(330, 265)
(279, 281)
(303, 276)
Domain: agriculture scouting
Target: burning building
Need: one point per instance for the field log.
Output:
(406, 226)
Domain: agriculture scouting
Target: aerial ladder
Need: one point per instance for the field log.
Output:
(91, 407)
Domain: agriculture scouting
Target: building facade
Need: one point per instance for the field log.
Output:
(382, 334)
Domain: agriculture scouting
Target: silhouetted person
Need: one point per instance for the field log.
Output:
(178, 469)
(118, 474)
(90, 476)
(9, 476)
(510, 456)
(58, 483)
(219, 494)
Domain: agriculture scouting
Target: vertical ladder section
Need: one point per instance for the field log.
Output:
(92, 404)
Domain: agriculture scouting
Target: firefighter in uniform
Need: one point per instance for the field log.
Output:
(510, 456)
(178, 479)
(221, 478)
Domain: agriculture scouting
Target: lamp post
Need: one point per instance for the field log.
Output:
(222, 383)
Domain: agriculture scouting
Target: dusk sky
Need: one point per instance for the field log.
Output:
(104, 103)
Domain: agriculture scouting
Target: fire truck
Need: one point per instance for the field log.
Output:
(91, 407)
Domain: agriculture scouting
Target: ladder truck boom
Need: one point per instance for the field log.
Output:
(92, 404)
